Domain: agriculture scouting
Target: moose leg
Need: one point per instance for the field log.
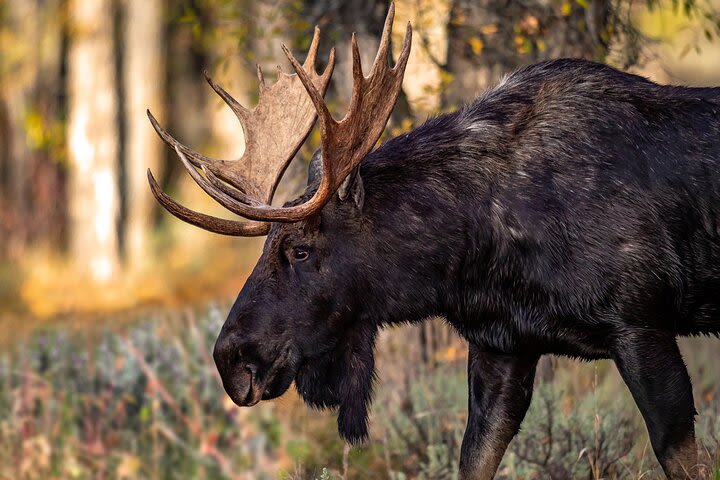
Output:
(653, 369)
(500, 389)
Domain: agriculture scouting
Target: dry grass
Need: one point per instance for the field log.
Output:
(144, 401)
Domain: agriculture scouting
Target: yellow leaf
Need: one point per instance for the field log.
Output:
(477, 45)
(128, 467)
(446, 78)
(530, 24)
(565, 9)
(489, 29)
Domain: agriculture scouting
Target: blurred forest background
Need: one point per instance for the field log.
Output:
(109, 307)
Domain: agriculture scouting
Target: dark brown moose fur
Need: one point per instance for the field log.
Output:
(572, 210)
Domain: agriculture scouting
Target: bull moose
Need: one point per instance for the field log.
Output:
(572, 209)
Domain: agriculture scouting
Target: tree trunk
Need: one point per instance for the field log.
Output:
(143, 78)
(227, 66)
(92, 139)
(490, 38)
(424, 75)
(30, 174)
(18, 74)
(338, 20)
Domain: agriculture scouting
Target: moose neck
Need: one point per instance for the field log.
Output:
(427, 197)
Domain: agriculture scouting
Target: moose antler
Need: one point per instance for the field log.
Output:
(274, 131)
(246, 188)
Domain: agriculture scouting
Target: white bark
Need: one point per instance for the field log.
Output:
(92, 139)
(423, 78)
(143, 80)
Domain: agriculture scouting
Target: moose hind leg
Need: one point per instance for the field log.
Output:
(500, 389)
(651, 365)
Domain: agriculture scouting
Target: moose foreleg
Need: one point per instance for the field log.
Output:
(653, 369)
(500, 389)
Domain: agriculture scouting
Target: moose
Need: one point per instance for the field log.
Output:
(573, 209)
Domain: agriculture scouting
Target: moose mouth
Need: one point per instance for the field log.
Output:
(253, 388)
(251, 384)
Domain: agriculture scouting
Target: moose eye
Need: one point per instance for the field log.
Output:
(300, 254)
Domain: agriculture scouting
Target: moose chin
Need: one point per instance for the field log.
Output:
(572, 210)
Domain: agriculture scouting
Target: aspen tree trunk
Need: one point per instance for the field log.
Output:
(226, 66)
(143, 78)
(423, 79)
(490, 38)
(18, 73)
(92, 139)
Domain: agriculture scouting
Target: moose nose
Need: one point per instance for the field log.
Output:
(242, 385)
(239, 375)
(247, 391)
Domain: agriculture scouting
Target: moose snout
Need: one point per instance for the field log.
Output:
(239, 375)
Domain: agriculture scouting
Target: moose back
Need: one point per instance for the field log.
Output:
(573, 209)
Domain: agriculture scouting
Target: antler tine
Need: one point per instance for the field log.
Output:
(228, 190)
(381, 58)
(261, 77)
(405, 52)
(170, 140)
(358, 78)
(206, 222)
(219, 167)
(315, 96)
(311, 58)
(356, 63)
(241, 112)
(219, 196)
(330, 65)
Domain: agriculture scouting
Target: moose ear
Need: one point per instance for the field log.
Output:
(352, 187)
(315, 169)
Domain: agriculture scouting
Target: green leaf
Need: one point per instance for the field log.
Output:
(145, 413)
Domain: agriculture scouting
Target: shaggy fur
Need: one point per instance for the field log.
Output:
(572, 210)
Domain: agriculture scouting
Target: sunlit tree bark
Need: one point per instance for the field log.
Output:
(143, 78)
(338, 21)
(92, 139)
(30, 141)
(490, 38)
(18, 71)
(424, 75)
(47, 186)
(228, 65)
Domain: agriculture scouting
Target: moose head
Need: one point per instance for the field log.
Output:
(301, 316)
